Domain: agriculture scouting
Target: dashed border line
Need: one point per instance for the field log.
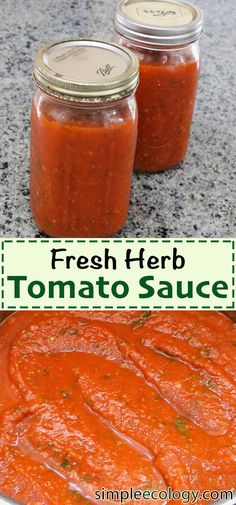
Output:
(117, 241)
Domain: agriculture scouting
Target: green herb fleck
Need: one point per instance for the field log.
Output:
(141, 320)
(90, 402)
(181, 426)
(86, 477)
(207, 353)
(69, 331)
(65, 463)
(78, 497)
(106, 376)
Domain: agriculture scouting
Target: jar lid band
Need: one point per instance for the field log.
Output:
(159, 22)
(86, 70)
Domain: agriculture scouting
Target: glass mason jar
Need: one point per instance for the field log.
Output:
(164, 36)
(83, 138)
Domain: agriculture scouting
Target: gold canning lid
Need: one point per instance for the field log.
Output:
(86, 70)
(158, 22)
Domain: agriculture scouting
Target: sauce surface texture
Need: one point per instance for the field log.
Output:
(114, 400)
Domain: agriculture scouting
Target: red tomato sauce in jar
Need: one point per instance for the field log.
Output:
(166, 97)
(83, 138)
(70, 425)
(164, 35)
(85, 190)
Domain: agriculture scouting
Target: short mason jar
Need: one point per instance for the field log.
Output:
(165, 37)
(83, 138)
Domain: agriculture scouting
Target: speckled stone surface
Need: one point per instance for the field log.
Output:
(196, 199)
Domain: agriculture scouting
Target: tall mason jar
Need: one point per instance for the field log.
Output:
(83, 137)
(165, 37)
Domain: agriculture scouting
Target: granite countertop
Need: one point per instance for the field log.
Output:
(196, 199)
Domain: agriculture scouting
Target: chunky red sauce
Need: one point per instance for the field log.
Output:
(166, 97)
(81, 168)
(115, 399)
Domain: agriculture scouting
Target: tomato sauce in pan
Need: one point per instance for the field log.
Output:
(114, 400)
